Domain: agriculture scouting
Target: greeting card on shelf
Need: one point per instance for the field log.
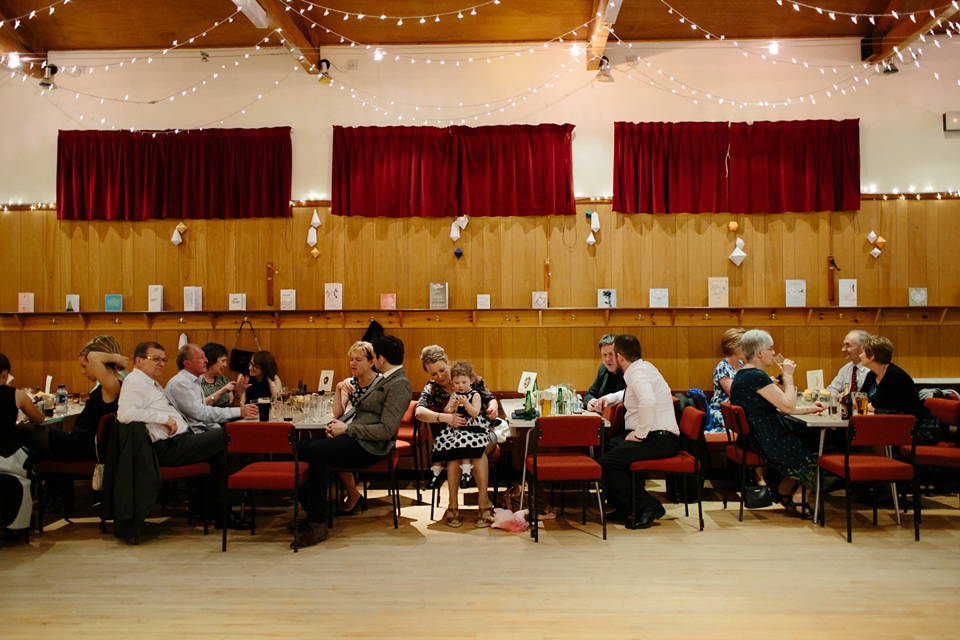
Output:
(539, 299)
(238, 302)
(155, 298)
(607, 298)
(288, 299)
(438, 295)
(797, 295)
(388, 301)
(847, 292)
(918, 296)
(25, 303)
(659, 297)
(718, 292)
(193, 298)
(333, 296)
(483, 301)
(113, 302)
(73, 302)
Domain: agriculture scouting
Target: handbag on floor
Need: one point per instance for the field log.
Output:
(757, 497)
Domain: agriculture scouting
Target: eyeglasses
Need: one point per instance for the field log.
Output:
(156, 359)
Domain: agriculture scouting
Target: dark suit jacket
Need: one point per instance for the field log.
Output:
(379, 412)
(605, 383)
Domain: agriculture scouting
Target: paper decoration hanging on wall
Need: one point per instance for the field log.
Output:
(740, 243)
(737, 256)
(454, 231)
(462, 222)
(595, 222)
(177, 239)
(182, 341)
(876, 252)
(315, 220)
(872, 237)
(312, 237)
(880, 242)
(591, 240)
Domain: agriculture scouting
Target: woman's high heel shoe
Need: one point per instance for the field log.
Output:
(360, 505)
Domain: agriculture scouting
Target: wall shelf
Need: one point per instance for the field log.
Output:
(586, 317)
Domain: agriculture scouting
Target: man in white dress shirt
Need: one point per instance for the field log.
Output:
(652, 433)
(852, 373)
(186, 395)
(142, 400)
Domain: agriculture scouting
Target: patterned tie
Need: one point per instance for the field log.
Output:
(853, 380)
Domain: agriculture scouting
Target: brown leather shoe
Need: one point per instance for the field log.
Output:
(310, 534)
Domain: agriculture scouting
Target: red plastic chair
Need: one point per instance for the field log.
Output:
(615, 414)
(186, 472)
(875, 431)
(387, 465)
(558, 457)
(74, 470)
(944, 454)
(279, 475)
(411, 439)
(738, 430)
(691, 428)
(948, 413)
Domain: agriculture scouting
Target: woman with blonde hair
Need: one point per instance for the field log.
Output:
(723, 375)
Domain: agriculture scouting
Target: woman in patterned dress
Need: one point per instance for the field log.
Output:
(723, 375)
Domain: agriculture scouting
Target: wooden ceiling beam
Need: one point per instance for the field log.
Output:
(32, 54)
(599, 32)
(883, 45)
(294, 33)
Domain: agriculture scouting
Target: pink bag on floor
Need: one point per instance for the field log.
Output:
(510, 521)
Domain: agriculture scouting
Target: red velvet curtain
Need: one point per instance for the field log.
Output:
(670, 167)
(393, 171)
(772, 167)
(217, 173)
(806, 165)
(511, 170)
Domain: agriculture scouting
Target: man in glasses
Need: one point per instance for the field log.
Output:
(143, 400)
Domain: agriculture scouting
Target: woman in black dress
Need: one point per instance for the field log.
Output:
(766, 406)
(263, 381)
(16, 502)
(891, 389)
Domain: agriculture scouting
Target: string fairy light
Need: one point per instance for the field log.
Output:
(419, 18)
(832, 13)
(47, 10)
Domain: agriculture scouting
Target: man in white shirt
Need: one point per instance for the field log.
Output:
(143, 400)
(186, 395)
(852, 373)
(652, 433)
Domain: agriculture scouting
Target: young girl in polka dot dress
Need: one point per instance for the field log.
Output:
(465, 443)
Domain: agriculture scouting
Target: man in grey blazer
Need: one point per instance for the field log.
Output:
(362, 435)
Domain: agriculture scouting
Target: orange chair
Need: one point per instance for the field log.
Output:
(279, 475)
(875, 431)
(493, 465)
(691, 427)
(738, 430)
(944, 454)
(615, 414)
(186, 472)
(557, 457)
(74, 470)
(387, 465)
(948, 413)
(411, 438)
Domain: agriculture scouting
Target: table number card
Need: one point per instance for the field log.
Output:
(815, 379)
(326, 380)
(388, 301)
(528, 379)
(288, 299)
(483, 301)
(847, 292)
(438, 295)
(73, 302)
(238, 302)
(155, 298)
(333, 296)
(113, 302)
(918, 296)
(193, 298)
(797, 294)
(539, 299)
(718, 292)
(659, 297)
(607, 298)
(25, 303)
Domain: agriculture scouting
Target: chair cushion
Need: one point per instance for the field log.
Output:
(406, 433)
(65, 468)
(404, 448)
(683, 462)
(277, 475)
(716, 441)
(946, 444)
(868, 468)
(737, 455)
(184, 471)
(552, 467)
(934, 456)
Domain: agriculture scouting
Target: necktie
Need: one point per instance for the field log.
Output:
(853, 380)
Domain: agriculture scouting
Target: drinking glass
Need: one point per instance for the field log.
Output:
(778, 359)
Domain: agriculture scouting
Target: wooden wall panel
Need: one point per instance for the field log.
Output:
(503, 257)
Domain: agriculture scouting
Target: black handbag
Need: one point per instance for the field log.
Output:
(757, 497)
(240, 358)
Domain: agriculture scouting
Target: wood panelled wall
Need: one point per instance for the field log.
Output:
(503, 257)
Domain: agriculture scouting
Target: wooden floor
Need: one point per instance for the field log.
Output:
(768, 577)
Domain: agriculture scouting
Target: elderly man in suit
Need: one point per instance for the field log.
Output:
(362, 435)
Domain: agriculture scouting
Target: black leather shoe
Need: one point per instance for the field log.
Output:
(647, 517)
(359, 506)
(467, 481)
(310, 534)
(437, 481)
(235, 523)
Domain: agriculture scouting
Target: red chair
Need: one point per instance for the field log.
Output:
(691, 428)
(493, 461)
(615, 414)
(74, 470)
(279, 475)
(387, 465)
(738, 431)
(411, 439)
(948, 413)
(558, 457)
(875, 431)
(187, 472)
